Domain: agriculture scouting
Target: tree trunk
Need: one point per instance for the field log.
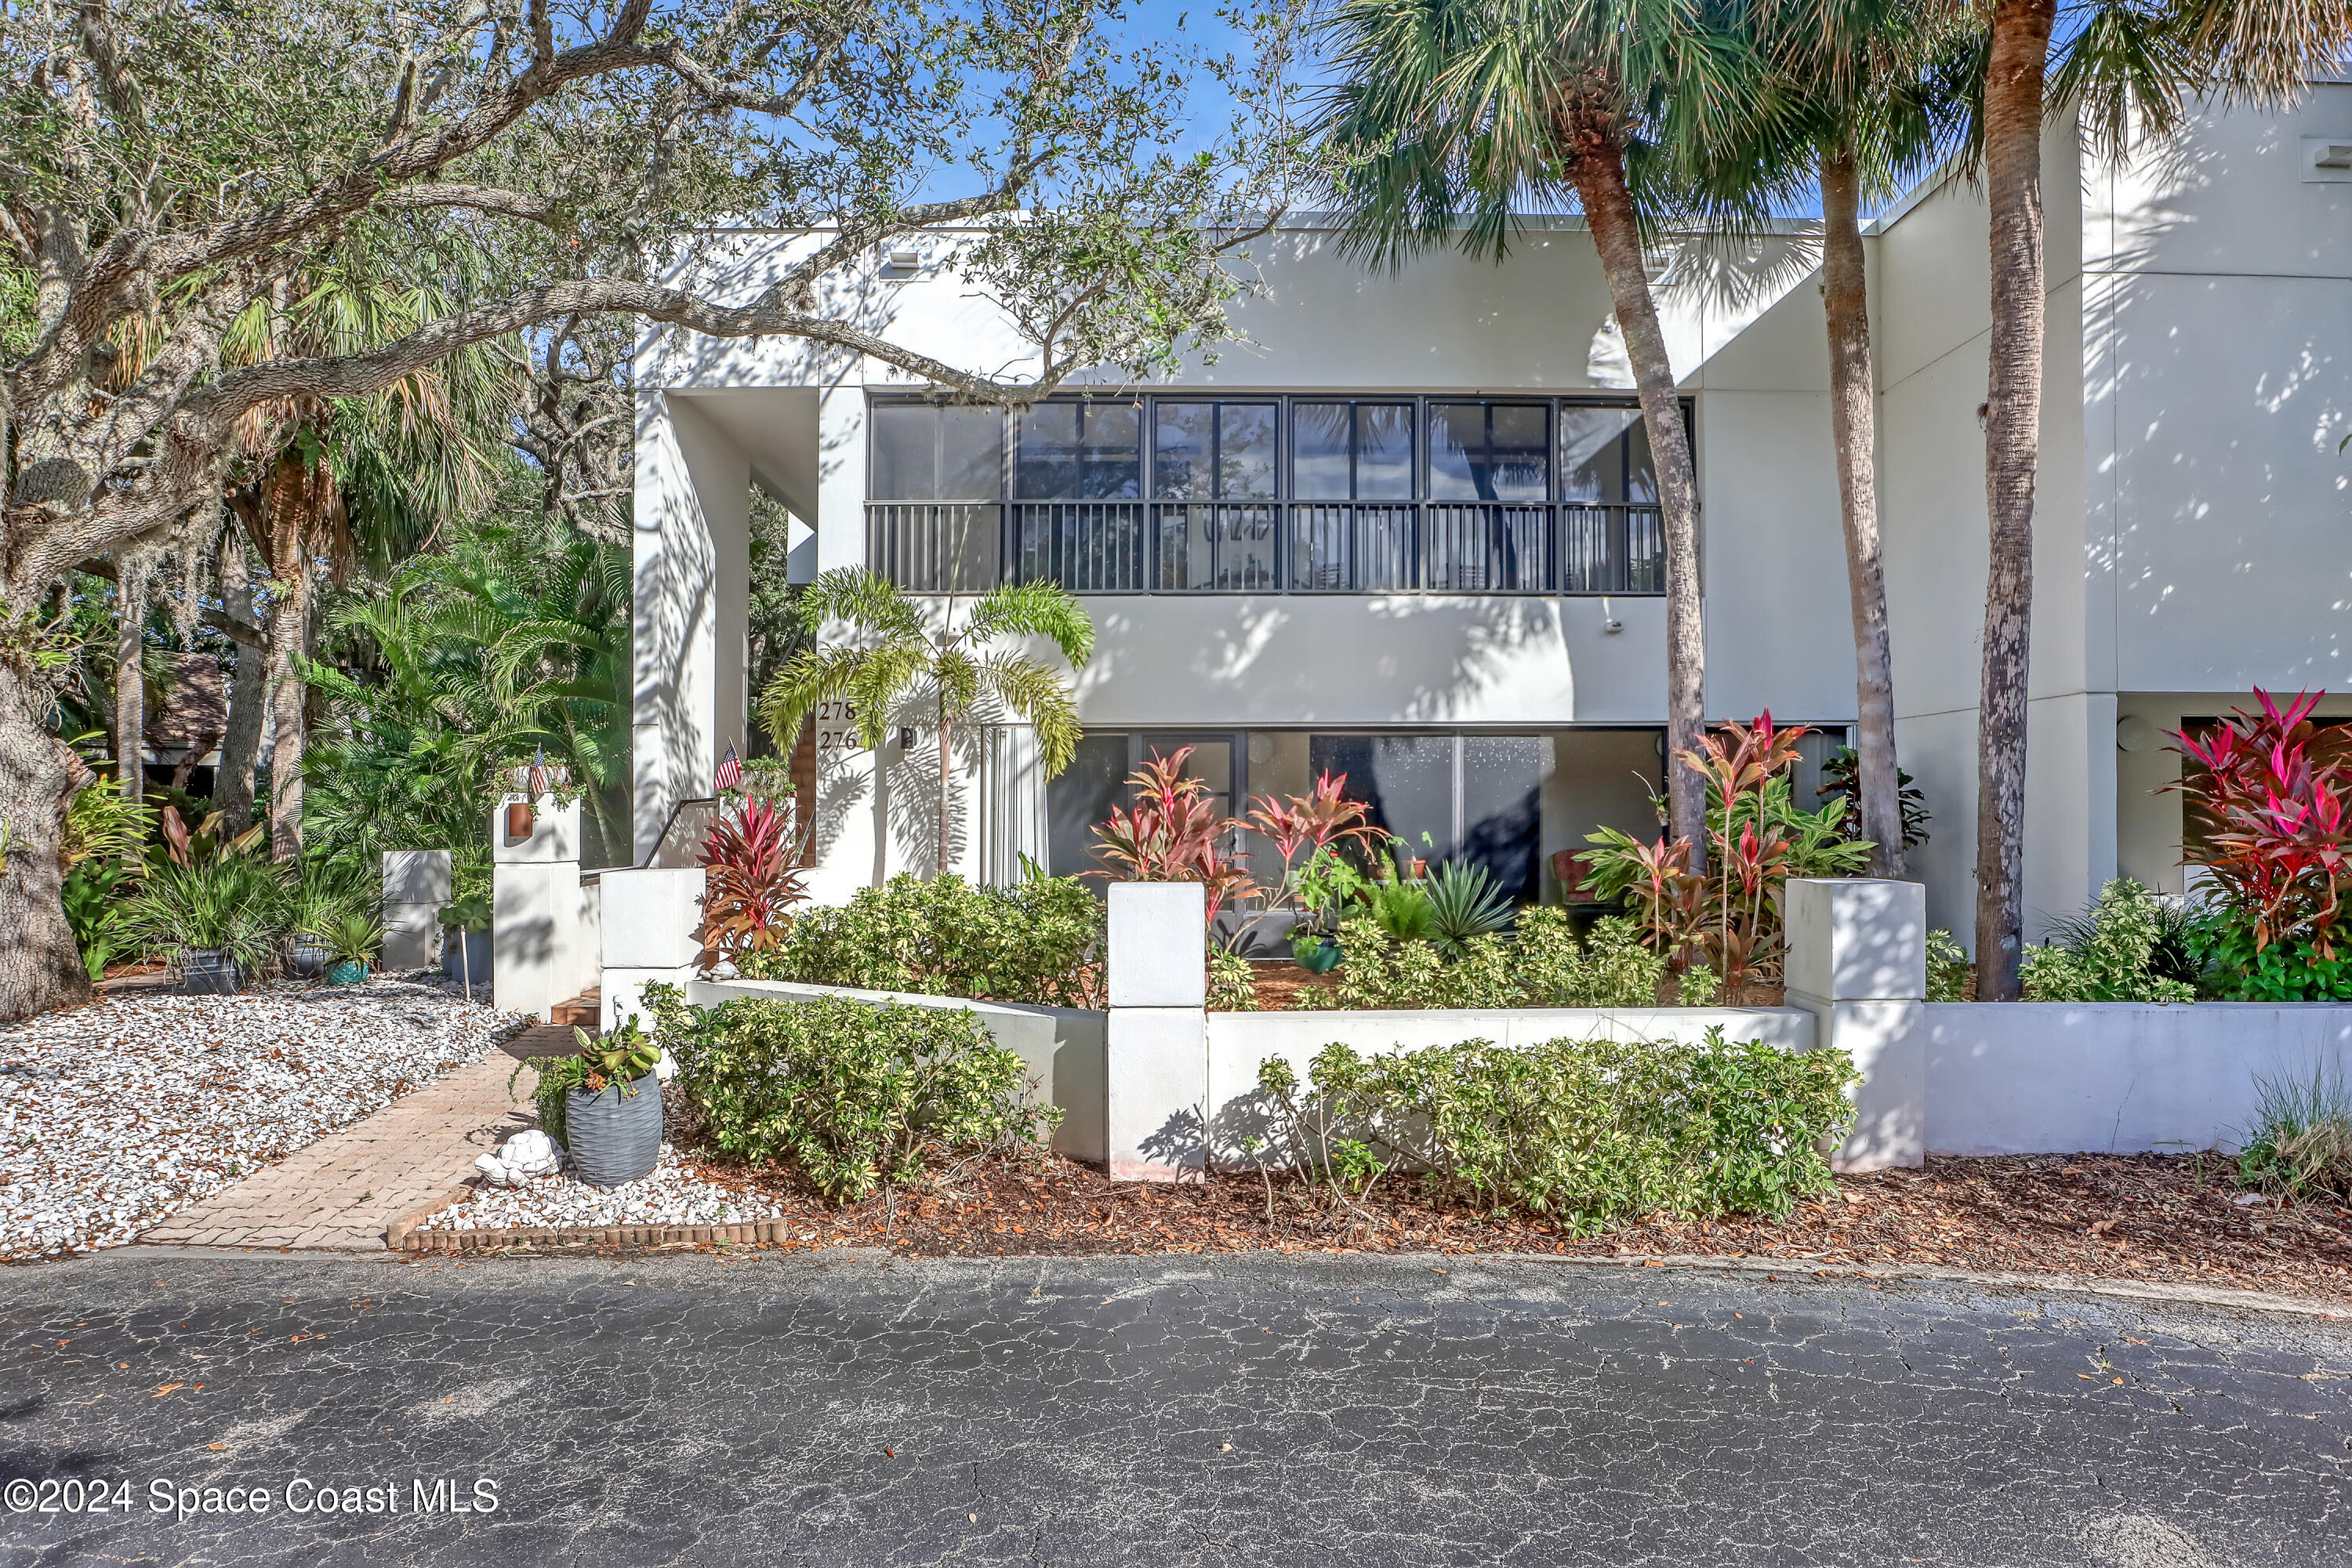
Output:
(289, 620)
(40, 966)
(241, 747)
(1854, 425)
(2012, 173)
(129, 678)
(946, 808)
(1596, 163)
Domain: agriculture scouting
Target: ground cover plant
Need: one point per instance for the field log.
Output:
(1589, 1133)
(1542, 962)
(853, 1096)
(1038, 942)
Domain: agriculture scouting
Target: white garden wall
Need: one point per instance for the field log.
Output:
(2114, 1078)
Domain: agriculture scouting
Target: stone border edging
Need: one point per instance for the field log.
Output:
(404, 1236)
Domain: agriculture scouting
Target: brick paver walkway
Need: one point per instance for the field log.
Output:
(341, 1193)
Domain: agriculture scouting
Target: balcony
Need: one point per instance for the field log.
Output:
(1270, 547)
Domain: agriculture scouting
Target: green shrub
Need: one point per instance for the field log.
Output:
(1542, 965)
(1040, 942)
(1232, 983)
(2107, 955)
(2301, 1140)
(856, 1095)
(233, 904)
(1591, 1132)
(1947, 967)
(2290, 969)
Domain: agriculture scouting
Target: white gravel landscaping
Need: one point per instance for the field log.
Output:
(677, 1192)
(114, 1116)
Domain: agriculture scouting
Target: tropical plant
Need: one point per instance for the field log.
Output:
(2266, 796)
(855, 1096)
(1232, 982)
(229, 904)
(1841, 780)
(508, 644)
(1318, 825)
(1591, 1132)
(895, 654)
(1173, 834)
(751, 877)
(356, 937)
(1039, 942)
(1541, 964)
(1464, 902)
(620, 1060)
(1729, 915)
(470, 912)
(1452, 112)
(2135, 71)
(2111, 956)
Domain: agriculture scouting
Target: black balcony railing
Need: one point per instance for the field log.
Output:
(1263, 547)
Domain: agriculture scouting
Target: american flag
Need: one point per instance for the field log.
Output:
(730, 772)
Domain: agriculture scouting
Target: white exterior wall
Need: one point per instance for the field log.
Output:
(2190, 536)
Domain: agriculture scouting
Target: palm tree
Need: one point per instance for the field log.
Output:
(1454, 112)
(897, 652)
(1859, 104)
(2132, 68)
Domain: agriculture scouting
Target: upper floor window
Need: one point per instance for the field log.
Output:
(1267, 492)
(925, 451)
(1080, 450)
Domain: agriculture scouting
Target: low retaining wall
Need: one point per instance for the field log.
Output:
(1062, 1048)
(1239, 1042)
(2025, 1078)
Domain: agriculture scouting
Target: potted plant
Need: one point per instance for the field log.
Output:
(465, 939)
(352, 945)
(603, 1103)
(309, 947)
(218, 922)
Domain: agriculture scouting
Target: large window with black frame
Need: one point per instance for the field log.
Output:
(1270, 493)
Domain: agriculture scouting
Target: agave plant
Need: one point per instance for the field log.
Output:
(1464, 902)
(750, 880)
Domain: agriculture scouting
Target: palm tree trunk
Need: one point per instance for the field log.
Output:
(945, 799)
(130, 676)
(2012, 164)
(299, 494)
(1597, 164)
(1853, 424)
(241, 746)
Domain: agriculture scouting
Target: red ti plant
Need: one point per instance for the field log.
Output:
(2267, 794)
(1310, 824)
(1173, 835)
(750, 879)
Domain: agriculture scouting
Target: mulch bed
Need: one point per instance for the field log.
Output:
(2142, 1218)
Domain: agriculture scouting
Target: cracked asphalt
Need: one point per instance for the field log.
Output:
(847, 1409)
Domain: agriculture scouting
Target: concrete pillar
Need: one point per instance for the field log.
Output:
(416, 884)
(1857, 960)
(538, 914)
(1158, 1050)
(651, 918)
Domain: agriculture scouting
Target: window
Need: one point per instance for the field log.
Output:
(1080, 451)
(1269, 493)
(1221, 461)
(937, 472)
(1489, 451)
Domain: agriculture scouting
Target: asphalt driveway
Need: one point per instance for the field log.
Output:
(847, 1409)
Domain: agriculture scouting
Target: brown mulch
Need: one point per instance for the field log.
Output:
(2141, 1218)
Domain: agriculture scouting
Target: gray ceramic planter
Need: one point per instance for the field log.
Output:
(613, 1138)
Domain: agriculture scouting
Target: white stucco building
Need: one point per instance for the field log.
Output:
(1404, 530)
